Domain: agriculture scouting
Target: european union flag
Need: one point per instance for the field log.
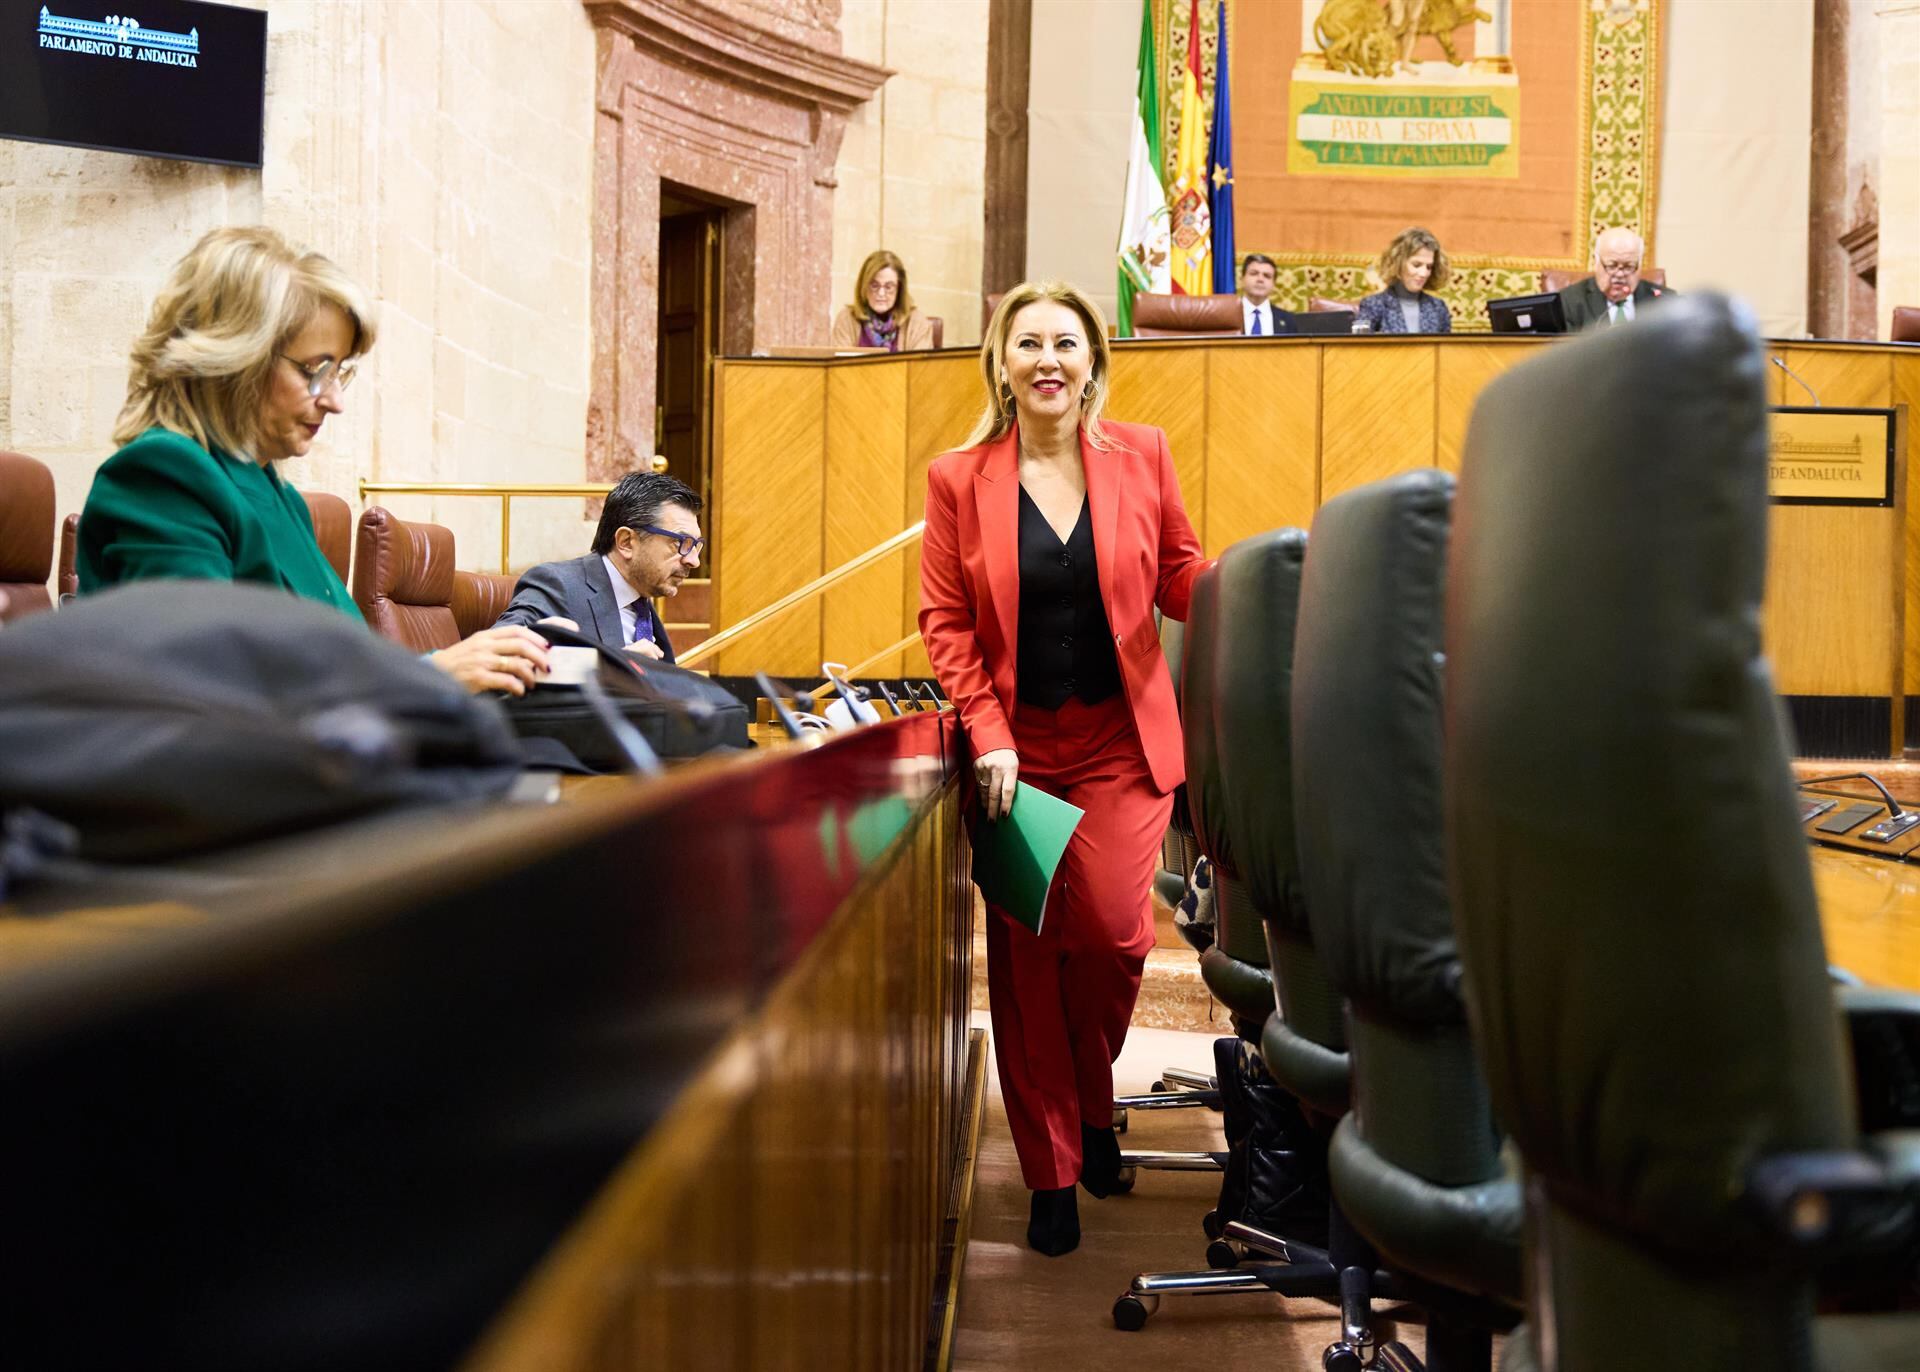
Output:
(1220, 171)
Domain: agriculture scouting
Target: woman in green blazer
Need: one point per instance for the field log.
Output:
(250, 348)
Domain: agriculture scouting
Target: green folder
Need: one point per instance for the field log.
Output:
(1015, 857)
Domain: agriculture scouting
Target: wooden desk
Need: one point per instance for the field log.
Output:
(816, 461)
(1870, 914)
(672, 1075)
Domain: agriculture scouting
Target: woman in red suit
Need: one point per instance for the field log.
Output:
(1050, 538)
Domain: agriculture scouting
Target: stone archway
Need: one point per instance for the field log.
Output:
(747, 103)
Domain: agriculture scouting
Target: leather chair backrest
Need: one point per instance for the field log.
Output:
(1170, 316)
(939, 328)
(1559, 278)
(1259, 601)
(479, 599)
(26, 535)
(68, 582)
(1906, 324)
(1322, 304)
(1367, 783)
(1644, 964)
(1236, 926)
(403, 580)
(333, 528)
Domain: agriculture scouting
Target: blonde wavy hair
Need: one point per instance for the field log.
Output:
(217, 327)
(998, 416)
(876, 263)
(1408, 242)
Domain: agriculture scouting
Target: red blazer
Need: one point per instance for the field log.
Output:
(970, 580)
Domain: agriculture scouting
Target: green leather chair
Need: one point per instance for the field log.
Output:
(1416, 1163)
(1643, 957)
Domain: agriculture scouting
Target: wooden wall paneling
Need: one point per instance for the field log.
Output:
(1462, 374)
(768, 484)
(1906, 391)
(1828, 617)
(1167, 388)
(1376, 412)
(944, 397)
(1263, 431)
(1839, 376)
(865, 491)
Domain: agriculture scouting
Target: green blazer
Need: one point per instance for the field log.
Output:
(163, 506)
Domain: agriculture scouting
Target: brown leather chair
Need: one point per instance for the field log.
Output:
(26, 535)
(939, 327)
(1174, 316)
(480, 598)
(333, 527)
(68, 585)
(988, 306)
(1557, 279)
(403, 580)
(1906, 324)
(1321, 304)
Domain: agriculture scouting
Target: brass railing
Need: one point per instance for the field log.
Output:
(506, 493)
(805, 593)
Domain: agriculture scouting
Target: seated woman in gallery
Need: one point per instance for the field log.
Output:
(882, 313)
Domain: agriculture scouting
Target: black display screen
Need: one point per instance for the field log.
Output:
(158, 78)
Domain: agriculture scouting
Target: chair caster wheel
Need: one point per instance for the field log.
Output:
(1342, 1357)
(1130, 1313)
(1119, 1120)
(1212, 1225)
(1123, 1181)
(1222, 1256)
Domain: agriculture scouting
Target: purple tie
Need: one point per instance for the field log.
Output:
(642, 623)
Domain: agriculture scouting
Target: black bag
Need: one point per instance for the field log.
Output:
(173, 717)
(681, 713)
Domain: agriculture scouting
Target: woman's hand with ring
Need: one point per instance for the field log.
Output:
(996, 773)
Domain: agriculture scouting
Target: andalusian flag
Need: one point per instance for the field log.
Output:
(1192, 228)
(1143, 226)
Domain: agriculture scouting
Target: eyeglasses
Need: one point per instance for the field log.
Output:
(686, 545)
(1619, 268)
(341, 373)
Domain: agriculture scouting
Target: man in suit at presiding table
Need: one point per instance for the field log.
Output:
(1615, 292)
(648, 542)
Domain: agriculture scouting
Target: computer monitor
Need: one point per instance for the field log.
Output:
(1528, 314)
(1313, 322)
(184, 80)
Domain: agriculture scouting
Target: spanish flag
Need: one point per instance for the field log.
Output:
(1192, 227)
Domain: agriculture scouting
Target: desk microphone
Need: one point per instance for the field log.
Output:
(1893, 806)
(1803, 386)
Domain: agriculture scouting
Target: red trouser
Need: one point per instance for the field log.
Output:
(1062, 1000)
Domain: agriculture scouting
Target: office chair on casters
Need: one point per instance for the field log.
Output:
(1239, 660)
(1417, 1173)
(1636, 917)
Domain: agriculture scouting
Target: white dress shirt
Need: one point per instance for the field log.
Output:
(1626, 311)
(1247, 311)
(629, 601)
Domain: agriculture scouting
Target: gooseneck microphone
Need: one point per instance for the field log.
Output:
(1778, 362)
(1893, 806)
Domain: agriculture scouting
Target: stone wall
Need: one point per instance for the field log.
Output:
(912, 167)
(442, 153)
(1898, 41)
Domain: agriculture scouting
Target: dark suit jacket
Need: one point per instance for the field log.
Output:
(1584, 303)
(1381, 310)
(580, 590)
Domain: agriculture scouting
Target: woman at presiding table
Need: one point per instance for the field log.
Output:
(1411, 265)
(1050, 537)
(882, 314)
(249, 349)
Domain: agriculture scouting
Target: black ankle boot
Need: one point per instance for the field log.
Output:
(1053, 1227)
(1099, 1161)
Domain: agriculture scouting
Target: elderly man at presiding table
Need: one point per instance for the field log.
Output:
(1615, 292)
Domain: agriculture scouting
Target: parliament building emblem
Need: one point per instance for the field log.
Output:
(119, 36)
